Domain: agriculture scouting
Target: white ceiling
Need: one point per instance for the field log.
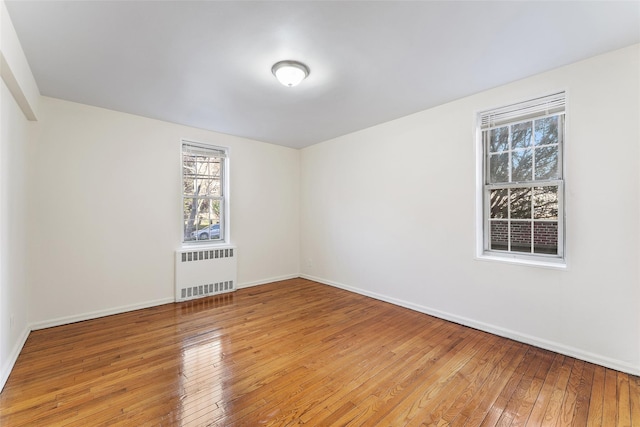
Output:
(208, 64)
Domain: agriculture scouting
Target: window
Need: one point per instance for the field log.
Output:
(523, 207)
(203, 192)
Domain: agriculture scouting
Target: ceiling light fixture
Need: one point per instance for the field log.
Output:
(290, 73)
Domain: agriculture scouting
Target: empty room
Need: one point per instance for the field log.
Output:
(330, 213)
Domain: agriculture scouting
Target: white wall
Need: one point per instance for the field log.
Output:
(17, 103)
(105, 210)
(14, 291)
(390, 212)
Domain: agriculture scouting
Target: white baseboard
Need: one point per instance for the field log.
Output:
(125, 308)
(607, 362)
(13, 357)
(99, 313)
(503, 332)
(7, 366)
(270, 280)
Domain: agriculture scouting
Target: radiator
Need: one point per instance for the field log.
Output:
(201, 273)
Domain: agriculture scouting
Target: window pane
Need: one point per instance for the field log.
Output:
(521, 203)
(499, 203)
(499, 235)
(189, 209)
(520, 236)
(499, 139)
(203, 218)
(546, 131)
(522, 166)
(209, 187)
(188, 186)
(211, 167)
(499, 168)
(200, 218)
(545, 237)
(208, 216)
(205, 177)
(216, 209)
(521, 135)
(188, 170)
(547, 162)
(545, 202)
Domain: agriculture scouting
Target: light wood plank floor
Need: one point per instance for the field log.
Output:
(298, 352)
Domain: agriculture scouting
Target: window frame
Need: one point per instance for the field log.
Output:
(531, 113)
(223, 198)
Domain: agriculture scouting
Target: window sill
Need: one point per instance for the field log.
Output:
(553, 263)
(200, 245)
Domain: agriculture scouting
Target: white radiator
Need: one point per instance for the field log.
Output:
(200, 273)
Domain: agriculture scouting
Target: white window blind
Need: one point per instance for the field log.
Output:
(203, 150)
(546, 105)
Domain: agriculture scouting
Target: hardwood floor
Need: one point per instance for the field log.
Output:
(298, 352)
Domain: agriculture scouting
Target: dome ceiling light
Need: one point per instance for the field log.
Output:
(290, 73)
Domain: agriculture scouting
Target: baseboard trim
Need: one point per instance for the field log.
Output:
(98, 313)
(597, 359)
(126, 308)
(13, 357)
(270, 280)
(10, 362)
